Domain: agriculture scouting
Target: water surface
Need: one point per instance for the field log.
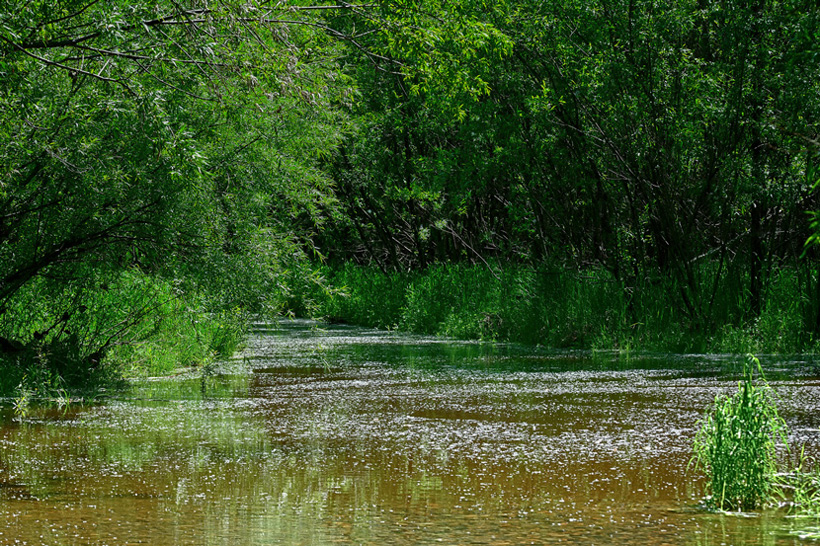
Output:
(339, 435)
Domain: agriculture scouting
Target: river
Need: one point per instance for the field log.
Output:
(323, 435)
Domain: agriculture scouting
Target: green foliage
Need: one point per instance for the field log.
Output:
(159, 167)
(671, 146)
(363, 296)
(557, 307)
(523, 304)
(647, 168)
(130, 324)
(173, 151)
(737, 443)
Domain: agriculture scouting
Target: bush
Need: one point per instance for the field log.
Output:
(80, 337)
(566, 308)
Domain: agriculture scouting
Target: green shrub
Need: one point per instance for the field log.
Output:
(559, 307)
(78, 337)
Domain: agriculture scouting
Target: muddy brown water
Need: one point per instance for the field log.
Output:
(339, 435)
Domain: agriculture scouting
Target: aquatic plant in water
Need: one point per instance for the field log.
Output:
(737, 443)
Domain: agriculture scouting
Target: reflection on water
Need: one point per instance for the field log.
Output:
(337, 435)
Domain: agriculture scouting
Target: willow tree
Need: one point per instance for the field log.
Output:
(183, 141)
(178, 140)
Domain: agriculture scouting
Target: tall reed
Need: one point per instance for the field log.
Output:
(737, 443)
(559, 307)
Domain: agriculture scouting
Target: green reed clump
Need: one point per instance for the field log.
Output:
(556, 306)
(364, 296)
(737, 443)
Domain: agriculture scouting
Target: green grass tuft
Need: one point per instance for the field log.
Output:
(737, 444)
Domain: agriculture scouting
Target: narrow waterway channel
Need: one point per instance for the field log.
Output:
(323, 435)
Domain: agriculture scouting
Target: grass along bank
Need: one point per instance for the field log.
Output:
(564, 308)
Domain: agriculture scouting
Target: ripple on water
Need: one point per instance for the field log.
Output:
(339, 435)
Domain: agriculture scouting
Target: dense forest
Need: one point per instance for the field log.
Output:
(607, 173)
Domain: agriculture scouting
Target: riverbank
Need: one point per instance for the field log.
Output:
(560, 308)
(549, 306)
(57, 344)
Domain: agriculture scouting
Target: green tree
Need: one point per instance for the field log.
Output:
(185, 141)
(180, 140)
(664, 143)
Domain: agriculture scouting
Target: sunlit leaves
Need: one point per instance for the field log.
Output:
(180, 139)
(443, 50)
